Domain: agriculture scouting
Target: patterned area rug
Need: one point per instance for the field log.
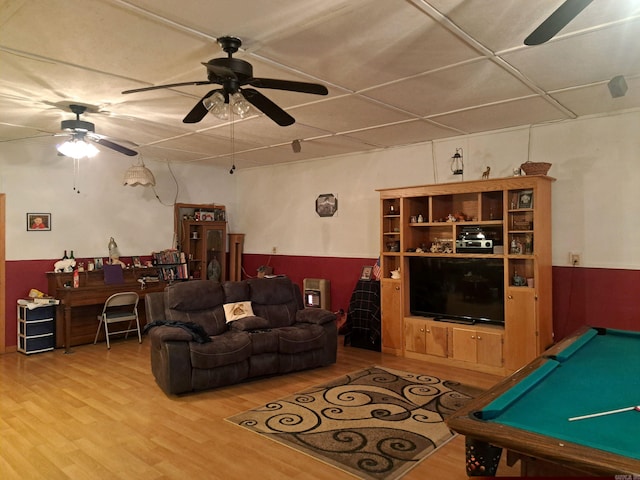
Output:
(376, 423)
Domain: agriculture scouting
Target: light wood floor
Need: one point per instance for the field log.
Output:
(98, 414)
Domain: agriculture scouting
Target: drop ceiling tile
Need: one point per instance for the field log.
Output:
(475, 83)
(414, 131)
(503, 115)
(346, 113)
(87, 37)
(369, 43)
(596, 99)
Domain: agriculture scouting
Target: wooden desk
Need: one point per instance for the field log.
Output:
(92, 292)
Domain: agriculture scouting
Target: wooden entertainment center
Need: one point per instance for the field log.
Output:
(504, 222)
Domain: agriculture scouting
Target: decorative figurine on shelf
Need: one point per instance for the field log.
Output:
(395, 274)
(485, 174)
(519, 281)
(65, 265)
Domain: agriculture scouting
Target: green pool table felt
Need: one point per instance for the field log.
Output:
(596, 373)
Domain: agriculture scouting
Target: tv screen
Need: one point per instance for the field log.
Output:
(467, 290)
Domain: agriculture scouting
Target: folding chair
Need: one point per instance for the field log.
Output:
(119, 307)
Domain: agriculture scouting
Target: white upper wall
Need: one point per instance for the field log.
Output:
(36, 180)
(595, 161)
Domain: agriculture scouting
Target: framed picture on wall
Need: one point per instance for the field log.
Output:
(38, 222)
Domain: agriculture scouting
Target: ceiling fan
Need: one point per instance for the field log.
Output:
(79, 131)
(233, 74)
(556, 21)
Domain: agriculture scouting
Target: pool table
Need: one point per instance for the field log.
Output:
(593, 371)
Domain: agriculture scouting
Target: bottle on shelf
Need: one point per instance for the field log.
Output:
(65, 257)
(71, 257)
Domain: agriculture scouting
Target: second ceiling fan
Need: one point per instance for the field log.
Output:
(233, 74)
(556, 21)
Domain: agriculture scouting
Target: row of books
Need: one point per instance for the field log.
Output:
(171, 265)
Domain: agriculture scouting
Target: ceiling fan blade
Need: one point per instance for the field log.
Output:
(112, 145)
(199, 111)
(289, 85)
(556, 21)
(266, 106)
(169, 85)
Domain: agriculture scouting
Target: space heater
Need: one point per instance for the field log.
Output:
(317, 293)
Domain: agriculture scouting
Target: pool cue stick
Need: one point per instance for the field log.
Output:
(609, 412)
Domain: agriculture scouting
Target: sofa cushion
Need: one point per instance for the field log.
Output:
(264, 341)
(194, 295)
(249, 323)
(197, 301)
(275, 300)
(300, 338)
(237, 310)
(225, 349)
(236, 291)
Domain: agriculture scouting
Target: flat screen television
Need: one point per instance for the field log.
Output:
(463, 290)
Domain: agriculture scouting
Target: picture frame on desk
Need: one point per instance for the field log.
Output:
(136, 261)
(366, 273)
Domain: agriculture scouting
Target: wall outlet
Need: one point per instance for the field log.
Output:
(574, 259)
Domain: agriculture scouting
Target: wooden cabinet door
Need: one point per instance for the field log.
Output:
(414, 335)
(436, 337)
(464, 344)
(391, 314)
(521, 335)
(489, 348)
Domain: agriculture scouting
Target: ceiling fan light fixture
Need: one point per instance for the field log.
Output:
(138, 174)
(239, 105)
(77, 148)
(217, 106)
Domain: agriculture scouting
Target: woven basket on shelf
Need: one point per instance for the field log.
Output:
(535, 168)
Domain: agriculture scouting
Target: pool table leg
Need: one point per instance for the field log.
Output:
(482, 458)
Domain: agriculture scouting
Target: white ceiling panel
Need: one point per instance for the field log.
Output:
(397, 73)
(504, 114)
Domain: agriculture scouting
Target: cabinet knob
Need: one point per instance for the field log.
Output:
(473, 337)
(428, 331)
(422, 329)
(397, 287)
(479, 337)
(510, 297)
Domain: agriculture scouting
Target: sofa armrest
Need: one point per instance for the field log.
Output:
(319, 316)
(154, 306)
(166, 333)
